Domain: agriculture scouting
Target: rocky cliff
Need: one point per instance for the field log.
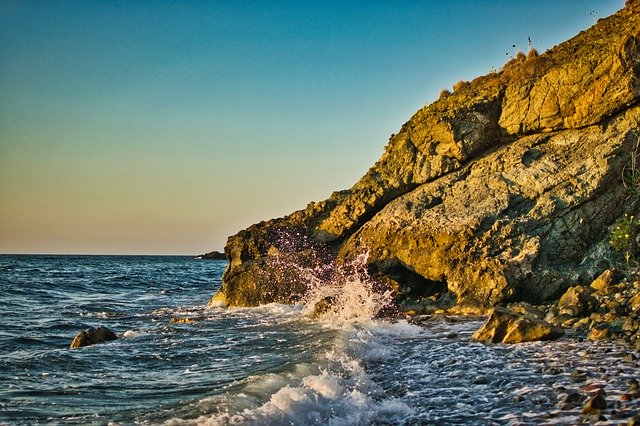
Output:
(503, 190)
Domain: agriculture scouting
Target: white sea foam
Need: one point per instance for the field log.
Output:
(131, 334)
(349, 294)
(342, 394)
(334, 388)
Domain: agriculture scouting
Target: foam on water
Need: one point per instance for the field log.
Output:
(275, 364)
(334, 387)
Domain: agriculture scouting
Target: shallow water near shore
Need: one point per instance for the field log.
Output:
(268, 365)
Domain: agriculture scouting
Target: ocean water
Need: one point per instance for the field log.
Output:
(274, 364)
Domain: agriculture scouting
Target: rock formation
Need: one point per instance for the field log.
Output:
(91, 336)
(507, 326)
(501, 191)
(212, 255)
(609, 308)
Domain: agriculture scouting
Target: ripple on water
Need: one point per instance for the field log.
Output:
(271, 364)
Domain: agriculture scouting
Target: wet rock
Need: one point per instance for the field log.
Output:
(323, 306)
(581, 323)
(182, 320)
(593, 387)
(91, 336)
(594, 417)
(570, 401)
(577, 301)
(599, 333)
(480, 380)
(578, 376)
(595, 403)
(553, 371)
(505, 326)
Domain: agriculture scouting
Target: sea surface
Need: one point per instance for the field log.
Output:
(274, 364)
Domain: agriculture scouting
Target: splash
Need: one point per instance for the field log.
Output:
(347, 294)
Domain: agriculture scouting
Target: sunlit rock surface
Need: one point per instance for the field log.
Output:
(507, 326)
(501, 191)
(92, 336)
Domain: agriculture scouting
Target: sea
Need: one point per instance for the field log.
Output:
(178, 361)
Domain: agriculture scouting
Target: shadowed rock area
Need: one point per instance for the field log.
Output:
(504, 190)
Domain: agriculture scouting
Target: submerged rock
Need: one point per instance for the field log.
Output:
(502, 191)
(182, 320)
(506, 326)
(91, 336)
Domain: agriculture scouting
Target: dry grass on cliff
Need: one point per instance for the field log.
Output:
(460, 85)
(525, 66)
(521, 66)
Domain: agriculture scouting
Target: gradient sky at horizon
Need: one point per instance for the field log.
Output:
(163, 127)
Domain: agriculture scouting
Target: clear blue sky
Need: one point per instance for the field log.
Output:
(166, 126)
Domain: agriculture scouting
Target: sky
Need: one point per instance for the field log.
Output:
(163, 127)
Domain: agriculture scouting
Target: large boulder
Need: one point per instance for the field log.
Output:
(92, 335)
(501, 191)
(506, 326)
(577, 301)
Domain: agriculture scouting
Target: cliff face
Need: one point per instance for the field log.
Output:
(503, 190)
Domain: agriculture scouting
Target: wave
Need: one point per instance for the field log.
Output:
(332, 387)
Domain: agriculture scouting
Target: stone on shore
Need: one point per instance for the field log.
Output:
(595, 403)
(577, 301)
(608, 309)
(92, 336)
(506, 326)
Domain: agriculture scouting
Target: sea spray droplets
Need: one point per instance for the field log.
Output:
(351, 294)
(341, 291)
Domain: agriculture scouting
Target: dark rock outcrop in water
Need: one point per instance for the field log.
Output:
(91, 336)
(212, 255)
(501, 191)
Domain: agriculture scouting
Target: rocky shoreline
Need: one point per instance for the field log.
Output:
(582, 388)
(607, 309)
(511, 197)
